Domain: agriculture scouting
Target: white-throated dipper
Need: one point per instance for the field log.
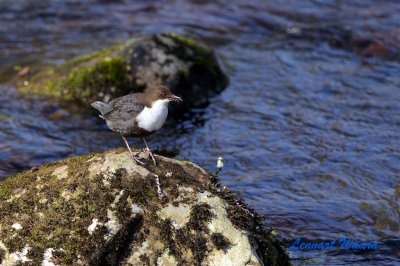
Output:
(137, 114)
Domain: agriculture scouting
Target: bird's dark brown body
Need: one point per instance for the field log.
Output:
(122, 116)
(138, 114)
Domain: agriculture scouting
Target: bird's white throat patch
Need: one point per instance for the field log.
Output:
(152, 119)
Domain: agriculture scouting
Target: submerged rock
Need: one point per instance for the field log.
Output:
(186, 66)
(102, 209)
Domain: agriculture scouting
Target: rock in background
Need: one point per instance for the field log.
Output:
(189, 68)
(102, 209)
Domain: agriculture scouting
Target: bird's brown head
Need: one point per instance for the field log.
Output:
(159, 93)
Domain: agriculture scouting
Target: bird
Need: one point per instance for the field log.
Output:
(137, 114)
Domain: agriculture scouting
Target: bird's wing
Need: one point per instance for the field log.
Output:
(125, 99)
(124, 108)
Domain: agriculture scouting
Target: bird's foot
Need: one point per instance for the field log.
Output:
(152, 156)
(136, 160)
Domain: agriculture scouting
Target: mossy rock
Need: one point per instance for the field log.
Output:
(103, 209)
(188, 67)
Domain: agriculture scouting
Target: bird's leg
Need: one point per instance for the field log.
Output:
(149, 151)
(136, 160)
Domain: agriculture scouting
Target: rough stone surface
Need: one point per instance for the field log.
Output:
(186, 66)
(102, 209)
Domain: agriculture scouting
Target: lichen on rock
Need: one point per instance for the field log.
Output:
(188, 67)
(220, 241)
(104, 209)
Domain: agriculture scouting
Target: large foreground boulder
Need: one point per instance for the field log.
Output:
(189, 68)
(102, 209)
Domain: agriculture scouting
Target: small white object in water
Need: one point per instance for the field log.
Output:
(220, 163)
(293, 31)
(17, 226)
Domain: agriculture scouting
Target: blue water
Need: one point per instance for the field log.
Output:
(308, 127)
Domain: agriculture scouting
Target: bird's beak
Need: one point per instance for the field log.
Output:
(175, 98)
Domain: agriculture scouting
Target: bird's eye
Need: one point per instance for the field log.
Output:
(162, 94)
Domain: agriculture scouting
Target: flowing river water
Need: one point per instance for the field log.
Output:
(309, 127)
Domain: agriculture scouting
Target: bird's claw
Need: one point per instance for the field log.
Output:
(136, 160)
(154, 159)
(152, 156)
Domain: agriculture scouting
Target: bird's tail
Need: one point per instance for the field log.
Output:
(102, 107)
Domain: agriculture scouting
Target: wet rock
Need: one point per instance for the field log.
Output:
(102, 209)
(189, 68)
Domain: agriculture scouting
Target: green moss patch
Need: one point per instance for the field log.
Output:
(220, 241)
(191, 43)
(84, 83)
(168, 237)
(85, 78)
(107, 77)
(200, 215)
